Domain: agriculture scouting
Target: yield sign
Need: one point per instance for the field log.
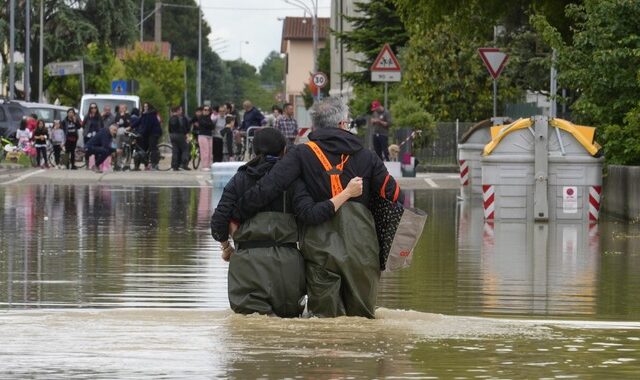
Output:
(494, 59)
(386, 60)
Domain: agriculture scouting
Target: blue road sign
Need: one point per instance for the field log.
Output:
(119, 87)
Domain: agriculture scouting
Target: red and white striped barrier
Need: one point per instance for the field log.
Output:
(488, 197)
(594, 203)
(303, 135)
(464, 173)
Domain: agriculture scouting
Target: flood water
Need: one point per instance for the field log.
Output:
(124, 282)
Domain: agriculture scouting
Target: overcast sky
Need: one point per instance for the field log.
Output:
(235, 21)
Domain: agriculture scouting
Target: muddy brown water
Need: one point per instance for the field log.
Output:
(125, 282)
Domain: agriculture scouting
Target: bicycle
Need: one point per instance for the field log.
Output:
(64, 157)
(194, 152)
(132, 152)
(243, 141)
(4, 145)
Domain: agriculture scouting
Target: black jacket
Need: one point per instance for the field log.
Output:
(178, 125)
(205, 125)
(102, 139)
(295, 200)
(252, 118)
(148, 124)
(301, 162)
(92, 124)
(71, 127)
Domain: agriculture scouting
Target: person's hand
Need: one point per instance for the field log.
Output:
(354, 188)
(233, 227)
(227, 251)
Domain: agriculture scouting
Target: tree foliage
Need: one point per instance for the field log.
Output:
(601, 61)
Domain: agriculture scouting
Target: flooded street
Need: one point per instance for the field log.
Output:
(126, 282)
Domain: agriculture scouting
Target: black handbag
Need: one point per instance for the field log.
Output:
(398, 229)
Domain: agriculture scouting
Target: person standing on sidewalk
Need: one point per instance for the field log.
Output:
(57, 140)
(178, 129)
(287, 124)
(217, 142)
(381, 120)
(107, 117)
(151, 131)
(71, 126)
(40, 137)
(205, 139)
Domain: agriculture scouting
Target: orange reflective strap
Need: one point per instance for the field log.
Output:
(320, 154)
(383, 189)
(336, 184)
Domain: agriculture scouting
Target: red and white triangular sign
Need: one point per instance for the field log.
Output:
(494, 59)
(386, 60)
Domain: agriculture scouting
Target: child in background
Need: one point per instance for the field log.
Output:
(40, 137)
(23, 135)
(57, 140)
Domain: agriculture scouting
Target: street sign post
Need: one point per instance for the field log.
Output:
(67, 68)
(494, 60)
(386, 68)
(319, 80)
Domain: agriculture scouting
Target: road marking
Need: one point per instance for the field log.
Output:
(431, 183)
(23, 177)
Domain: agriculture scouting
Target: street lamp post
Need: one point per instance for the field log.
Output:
(40, 55)
(27, 51)
(12, 49)
(312, 8)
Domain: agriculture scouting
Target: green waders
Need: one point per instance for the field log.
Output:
(266, 273)
(342, 263)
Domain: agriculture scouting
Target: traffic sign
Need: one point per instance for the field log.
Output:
(119, 87)
(65, 68)
(320, 79)
(494, 59)
(386, 67)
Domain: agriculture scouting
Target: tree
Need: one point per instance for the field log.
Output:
(114, 21)
(601, 62)
(167, 74)
(272, 70)
(378, 23)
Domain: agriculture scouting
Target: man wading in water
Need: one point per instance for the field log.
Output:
(266, 272)
(341, 255)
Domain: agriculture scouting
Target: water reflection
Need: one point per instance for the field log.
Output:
(140, 263)
(108, 246)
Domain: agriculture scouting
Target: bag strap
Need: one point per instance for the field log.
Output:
(333, 171)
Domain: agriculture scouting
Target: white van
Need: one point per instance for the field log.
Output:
(131, 101)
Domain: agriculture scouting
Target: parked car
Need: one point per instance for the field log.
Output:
(131, 101)
(11, 113)
(44, 111)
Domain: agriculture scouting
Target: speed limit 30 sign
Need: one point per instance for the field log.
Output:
(320, 79)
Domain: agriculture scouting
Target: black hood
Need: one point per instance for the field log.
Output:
(258, 169)
(336, 140)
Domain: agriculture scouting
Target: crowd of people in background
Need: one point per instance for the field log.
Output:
(219, 130)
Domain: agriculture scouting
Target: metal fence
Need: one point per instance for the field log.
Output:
(442, 150)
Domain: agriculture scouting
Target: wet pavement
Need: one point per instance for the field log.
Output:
(125, 282)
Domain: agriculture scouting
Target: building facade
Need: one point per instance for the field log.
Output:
(342, 60)
(297, 45)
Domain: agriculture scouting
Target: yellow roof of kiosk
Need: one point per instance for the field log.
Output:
(584, 135)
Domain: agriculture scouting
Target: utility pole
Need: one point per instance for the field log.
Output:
(158, 23)
(199, 76)
(12, 49)
(141, 21)
(27, 51)
(40, 55)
